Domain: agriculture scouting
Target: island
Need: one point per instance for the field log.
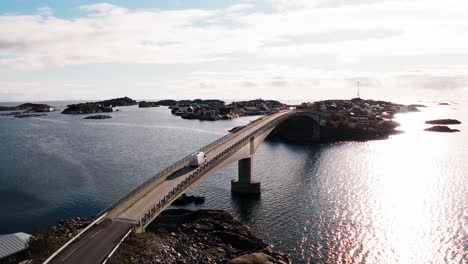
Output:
(27, 110)
(444, 129)
(98, 117)
(349, 120)
(213, 109)
(29, 107)
(98, 107)
(443, 122)
(143, 104)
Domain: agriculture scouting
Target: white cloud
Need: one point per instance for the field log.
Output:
(109, 33)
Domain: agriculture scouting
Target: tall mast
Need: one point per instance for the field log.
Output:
(358, 90)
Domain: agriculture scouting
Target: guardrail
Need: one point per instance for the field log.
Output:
(74, 238)
(197, 173)
(178, 163)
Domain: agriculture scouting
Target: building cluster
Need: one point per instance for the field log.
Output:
(359, 109)
(217, 110)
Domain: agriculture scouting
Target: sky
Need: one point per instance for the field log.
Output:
(272, 49)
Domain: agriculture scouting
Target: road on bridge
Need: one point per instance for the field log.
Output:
(100, 240)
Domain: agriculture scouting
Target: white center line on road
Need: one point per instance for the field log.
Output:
(96, 233)
(73, 251)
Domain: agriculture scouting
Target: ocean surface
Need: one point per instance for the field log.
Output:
(401, 200)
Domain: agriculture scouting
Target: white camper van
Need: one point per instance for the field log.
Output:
(197, 159)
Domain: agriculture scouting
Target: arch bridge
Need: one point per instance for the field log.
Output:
(136, 210)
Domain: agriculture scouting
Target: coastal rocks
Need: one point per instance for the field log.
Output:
(444, 129)
(98, 117)
(185, 199)
(443, 122)
(204, 236)
(144, 104)
(98, 107)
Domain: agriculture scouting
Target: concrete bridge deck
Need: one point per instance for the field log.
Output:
(140, 208)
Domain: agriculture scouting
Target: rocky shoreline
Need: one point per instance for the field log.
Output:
(204, 236)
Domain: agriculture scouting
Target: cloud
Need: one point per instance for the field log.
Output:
(112, 34)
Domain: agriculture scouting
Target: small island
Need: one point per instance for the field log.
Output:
(443, 122)
(99, 107)
(444, 129)
(29, 107)
(145, 104)
(98, 117)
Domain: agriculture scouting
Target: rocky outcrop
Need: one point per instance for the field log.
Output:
(445, 129)
(123, 101)
(98, 107)
(143, 104)
(205, 236)
(83, 108)
(443, 122)
(29, 107)
(98, 117)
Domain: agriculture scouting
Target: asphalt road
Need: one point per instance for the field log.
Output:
(96, 244)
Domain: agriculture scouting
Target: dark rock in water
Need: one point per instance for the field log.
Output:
(98, 117)
(204, 236)
(24, 115)
(443, 104)
(441, 129)
(443, 122)
(143, 104)
(188, 199)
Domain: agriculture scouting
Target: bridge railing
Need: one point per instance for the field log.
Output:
(198, 173)
(170, 168)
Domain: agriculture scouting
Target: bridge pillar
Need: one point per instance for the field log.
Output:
(245, 184)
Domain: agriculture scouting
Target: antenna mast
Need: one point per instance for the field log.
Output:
(358, 90)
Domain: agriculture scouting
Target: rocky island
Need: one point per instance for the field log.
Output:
(27, 110)
(143, 104)
(204, 236)
(349, 120)
(444, 129)
(98, 117)
(443, 122)
(213, 109)
(98, 107)
(30, 107)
